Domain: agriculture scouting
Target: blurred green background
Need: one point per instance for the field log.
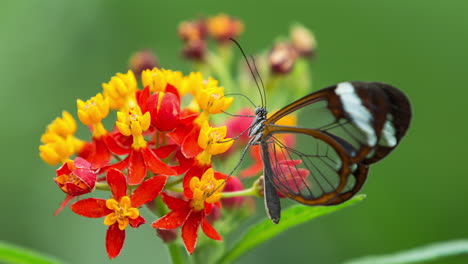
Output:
(53, 52)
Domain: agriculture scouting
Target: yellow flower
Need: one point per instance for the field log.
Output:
(59, 141)
(123, 211)
(207, 189)
(211, 98)
(92, 112)
(157, 79)
(213, 142)
(120, 91)
(134, 123)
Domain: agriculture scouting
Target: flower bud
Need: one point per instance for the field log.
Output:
(282, 58)
(191, 30)
(142, 60)
(194, 49)
(223, 27)
(303, 41)
(76, 177)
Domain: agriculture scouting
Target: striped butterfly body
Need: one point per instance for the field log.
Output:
(350, 126)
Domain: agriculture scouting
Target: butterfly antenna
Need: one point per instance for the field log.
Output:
(261, 81)
(243, 95)
(251, 70)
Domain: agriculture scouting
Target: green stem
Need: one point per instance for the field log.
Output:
(175, 252)
(102, 186)
(247, 192)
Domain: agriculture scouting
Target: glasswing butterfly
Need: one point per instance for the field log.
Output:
(350, 126)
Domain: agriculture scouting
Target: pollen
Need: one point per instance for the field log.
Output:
(134, 123)
(122, 212)
(207, 189)
(120, 91)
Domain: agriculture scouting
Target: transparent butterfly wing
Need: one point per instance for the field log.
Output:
(348, 127)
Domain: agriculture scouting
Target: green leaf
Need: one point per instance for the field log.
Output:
(10, 253)
(426, 253)
(292, 216)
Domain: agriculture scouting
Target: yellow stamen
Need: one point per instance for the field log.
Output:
(157, 79)
(211, 98)
(213, 142)
(134, 123)
(123, 211)
(207, 189)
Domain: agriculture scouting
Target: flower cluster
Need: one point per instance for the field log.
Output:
(156, 143)
(164, 149)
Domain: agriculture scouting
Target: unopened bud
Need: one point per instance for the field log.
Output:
(190, 30)
(194, 49)
(303, 41)
(142, 60)
(282, 58)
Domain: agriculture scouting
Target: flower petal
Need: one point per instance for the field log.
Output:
(115, 146)
(209, 230)
(100, 155)
(173, 219)
(67, 199)
(115, 239)
(91, 207)
(148, 190)
(137, 221)
(136, 168)
(117, 183)
(172, 202)
(155, 164)
(190, 147)
(190, 230)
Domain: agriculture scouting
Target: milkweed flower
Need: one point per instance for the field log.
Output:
(75, 178)
(59, 141)
(191, 213)
(121, 210)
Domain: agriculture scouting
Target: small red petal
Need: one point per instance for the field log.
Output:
(167, 117)
(148, 190)
(64, 169)
(115, 239)
(115, 146)
(164, 151)
(179, 134)
(81, 163)
(171, 89)
(173, 219)
(117, 183)
(75, 190)
(87, 175)
(100, 155)
(136, 168)
(142, 98)
(190, 147)
(155, 164)
(184, 163)
(172, 202)
(123, 164)
(137, 222)
(209, 230)
(91, 207)
(190, 231)
(67, 199)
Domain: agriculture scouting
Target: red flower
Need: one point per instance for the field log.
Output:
(121, 210)
(75, 178)
(192, 213)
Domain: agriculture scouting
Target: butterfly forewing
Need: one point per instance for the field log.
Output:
(349, 126)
